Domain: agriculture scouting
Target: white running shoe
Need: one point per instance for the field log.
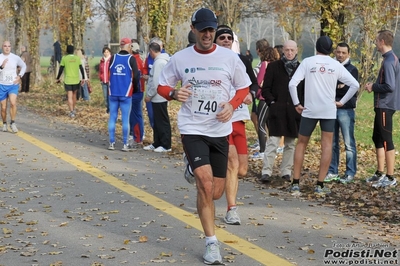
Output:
(14, 128)
(213, 255)
(161, 149)
(149, 147)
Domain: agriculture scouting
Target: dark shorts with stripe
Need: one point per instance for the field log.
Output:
(202, 150)
(382, 135)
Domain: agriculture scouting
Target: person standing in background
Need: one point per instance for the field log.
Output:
(26, 57)
(321, 73)
(85, 88)
(386, 101)
(124, 82)
(282, 118)
(73, 77)
(162, 125)
(249, 56)
(104, 75)
(267, 55)
(345, 121)
(83, 91)
(136, 123)
(148, 64)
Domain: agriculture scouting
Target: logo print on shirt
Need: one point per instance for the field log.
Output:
(212, 82)
(197, 159)
(192, 70)
(119, 69)
(322, 70)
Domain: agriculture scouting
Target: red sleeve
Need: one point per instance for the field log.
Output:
(239, 97)
(164, 91)
(145, 67)
(140, 65)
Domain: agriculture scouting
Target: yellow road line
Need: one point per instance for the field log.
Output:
(241, 245)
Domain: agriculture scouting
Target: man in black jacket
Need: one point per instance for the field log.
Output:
(345, 119)
(282, 118)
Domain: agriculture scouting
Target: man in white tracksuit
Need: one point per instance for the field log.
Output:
(162, 126)
(321, 74)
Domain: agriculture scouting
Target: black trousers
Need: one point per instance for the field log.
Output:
(25, 82)
(162, 125)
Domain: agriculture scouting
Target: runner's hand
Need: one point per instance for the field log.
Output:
(183, 93)
(226, 114)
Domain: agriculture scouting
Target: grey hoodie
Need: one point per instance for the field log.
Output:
(159, 62)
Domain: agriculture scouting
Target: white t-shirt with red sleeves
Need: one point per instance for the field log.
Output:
(212, 76)
(241, 113)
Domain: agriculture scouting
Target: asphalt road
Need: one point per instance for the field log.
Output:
(67, 200)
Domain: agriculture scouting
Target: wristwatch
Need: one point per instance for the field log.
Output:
(172, 94)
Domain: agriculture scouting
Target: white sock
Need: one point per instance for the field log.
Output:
(211, 239)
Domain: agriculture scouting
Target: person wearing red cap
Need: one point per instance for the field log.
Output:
(321, 74)
(124, 81)
(207, 73)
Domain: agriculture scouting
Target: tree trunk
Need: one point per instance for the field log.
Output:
(33, 32)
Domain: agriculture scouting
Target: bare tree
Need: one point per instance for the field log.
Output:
(116, 11)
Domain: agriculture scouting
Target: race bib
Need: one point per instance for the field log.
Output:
(7, 76)
(206, 101)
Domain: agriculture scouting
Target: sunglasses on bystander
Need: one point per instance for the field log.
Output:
(223, 37)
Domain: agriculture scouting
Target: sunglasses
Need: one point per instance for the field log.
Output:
(223, 37)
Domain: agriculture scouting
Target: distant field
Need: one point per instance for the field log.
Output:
(45, 63)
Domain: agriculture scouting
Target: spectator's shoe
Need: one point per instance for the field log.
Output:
(375, 178)
(213, 255)
(130, 140)
(126, 147)
(136, 145)
(14, 128)
(232, 217)
(331, 177)
(71, 114)
(279, 150)
(111, 146)
(265, 178)
(189, 176)
(257, 156)
(255, 146)
(346, 179)
(149, 147)
(385, 182)
(5, 128)
(322, 191)
(161, 149)
(294, 189)
(286, 178)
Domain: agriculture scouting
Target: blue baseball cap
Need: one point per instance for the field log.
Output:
(204, 18)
